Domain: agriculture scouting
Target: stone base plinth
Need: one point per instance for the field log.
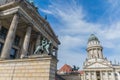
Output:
(32, 68)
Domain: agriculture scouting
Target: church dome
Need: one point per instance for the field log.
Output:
(92, 38)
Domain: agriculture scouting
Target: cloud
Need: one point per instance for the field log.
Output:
(74, 30)
(45, 11)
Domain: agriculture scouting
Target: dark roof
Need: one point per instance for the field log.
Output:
(92, 38)
(58, 77)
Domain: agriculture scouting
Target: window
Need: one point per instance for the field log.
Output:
(116, 74)
(86, 73)
(119, 72)
(98, 73)
(103, 73)
(109, 73)
(92, 73)
(13, 53)
(1, 46)
(3, 33)
(16, 40)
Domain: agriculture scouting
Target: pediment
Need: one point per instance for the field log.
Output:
(98, 65)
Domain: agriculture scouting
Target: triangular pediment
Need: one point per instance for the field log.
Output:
(98, 65)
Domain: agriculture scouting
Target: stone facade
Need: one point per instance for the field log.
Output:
(75, 76)
(41, 68)
(96, 66)
(21, 30)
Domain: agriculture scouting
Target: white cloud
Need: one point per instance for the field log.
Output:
(45, 11)
(75, 30)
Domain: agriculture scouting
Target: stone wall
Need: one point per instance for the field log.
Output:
(71, 76)
(41, 68)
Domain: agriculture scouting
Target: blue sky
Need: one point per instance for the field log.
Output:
(74, 20)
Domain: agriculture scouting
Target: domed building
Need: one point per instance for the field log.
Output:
(96, 66)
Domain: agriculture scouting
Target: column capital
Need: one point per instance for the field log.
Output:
(29, 24)
(17, 14)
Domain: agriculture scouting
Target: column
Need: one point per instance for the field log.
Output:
(113, 73)
(101, 75)
(90, 75)
(26, 43)
(84, 75)
(10, 37)
(95, 76)
(107, 75)
(38, 41)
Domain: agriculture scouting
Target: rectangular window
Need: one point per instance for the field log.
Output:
(3, 33)
(13, 53)
(92, 73)
(1, 46)
(86, 73)
(109, 73)
(16, 40)
(103, 73)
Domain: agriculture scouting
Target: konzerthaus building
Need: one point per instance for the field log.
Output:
(28, 45)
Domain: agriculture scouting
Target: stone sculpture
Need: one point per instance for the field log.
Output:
(45, 45)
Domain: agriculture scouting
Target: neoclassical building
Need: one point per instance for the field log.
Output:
(22, 31)
(96, 66)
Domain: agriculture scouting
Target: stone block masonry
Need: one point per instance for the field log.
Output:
(43, 68)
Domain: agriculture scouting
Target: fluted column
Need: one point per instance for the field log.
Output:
(10, 37)
(113, 73)
(26, 43)
(107, 75)
(84, 75)
(101, 75)
(90, 75)
(95, 76)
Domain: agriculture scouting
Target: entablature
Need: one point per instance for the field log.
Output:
(24, 9)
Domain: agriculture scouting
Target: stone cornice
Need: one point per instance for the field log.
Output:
(98, 69)
(9, 11)
(36, 25)
(36, 21)
(39, 58)
(39, 19)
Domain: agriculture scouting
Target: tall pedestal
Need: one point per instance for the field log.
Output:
(34, 68)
